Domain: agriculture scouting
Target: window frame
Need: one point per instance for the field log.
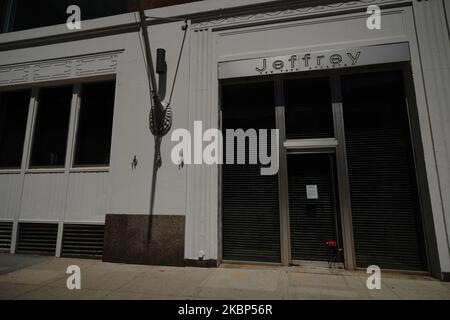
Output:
(90, 167)
(75, 108)
(50, 168)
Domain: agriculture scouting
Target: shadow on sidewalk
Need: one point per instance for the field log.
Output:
(13, 262)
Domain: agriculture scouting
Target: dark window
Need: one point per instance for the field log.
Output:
(35, 14)
(13, 121)
(93, 142)
(308, 108)
(3, 14)
(51, 127)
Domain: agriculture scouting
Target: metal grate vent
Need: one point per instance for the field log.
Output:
(83, 240)
(5, 236)
(37, 238)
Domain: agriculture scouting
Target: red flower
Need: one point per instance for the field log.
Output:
(331, 243)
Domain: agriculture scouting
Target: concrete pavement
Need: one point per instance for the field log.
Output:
(12, 262)
(45, 278)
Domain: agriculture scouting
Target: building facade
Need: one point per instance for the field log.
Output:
(363, 119)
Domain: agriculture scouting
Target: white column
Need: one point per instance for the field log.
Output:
(434, 47)
(202, 184)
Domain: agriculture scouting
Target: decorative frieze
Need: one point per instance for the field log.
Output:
(332, 7)
(59, 69)
(14, 74)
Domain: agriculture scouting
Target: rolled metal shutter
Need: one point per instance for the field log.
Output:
(251, 229)
(312, 221)
(37, 238)
(250, 207)
(385, 208)
(5, 236)
(83, 240)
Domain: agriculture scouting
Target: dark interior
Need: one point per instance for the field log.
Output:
(51, 127)
(14, 107)
(93, 142)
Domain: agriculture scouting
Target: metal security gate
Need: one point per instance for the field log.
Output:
(313, 214)
(376, 202)
(250, 207)
(387, 226)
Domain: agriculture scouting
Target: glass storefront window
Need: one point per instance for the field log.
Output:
(308, 108)
(13, 121)
(93, 142)
(51, 127)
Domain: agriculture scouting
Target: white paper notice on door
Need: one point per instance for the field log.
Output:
(311, 191)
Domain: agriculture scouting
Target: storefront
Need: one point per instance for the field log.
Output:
(362, 117)
(347, 168)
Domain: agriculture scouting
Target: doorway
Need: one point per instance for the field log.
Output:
(314, 219)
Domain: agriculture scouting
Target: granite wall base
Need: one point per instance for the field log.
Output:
(128, 240)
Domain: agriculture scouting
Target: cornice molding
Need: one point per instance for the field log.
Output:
(292, 12)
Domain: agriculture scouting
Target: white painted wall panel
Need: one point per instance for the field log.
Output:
(10, 189)
(131, 134)
(202, 187)
(44, 196)
(88, 197)
(332, 32)
(434, 45)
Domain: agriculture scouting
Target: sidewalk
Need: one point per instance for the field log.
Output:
(45, 278)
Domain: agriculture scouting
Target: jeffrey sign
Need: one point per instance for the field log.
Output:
(310, 61)
(307, 61)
